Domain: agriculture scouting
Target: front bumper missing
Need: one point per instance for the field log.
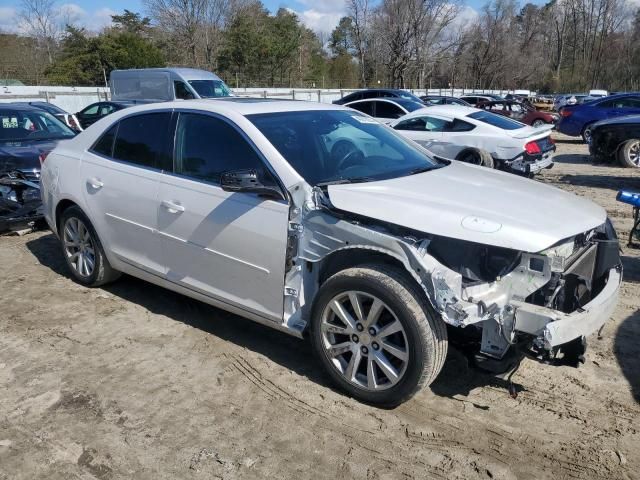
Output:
(554, 328)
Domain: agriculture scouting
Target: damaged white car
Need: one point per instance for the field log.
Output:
(480, 137)
(318, 220)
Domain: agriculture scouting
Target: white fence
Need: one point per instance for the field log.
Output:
(74, 99)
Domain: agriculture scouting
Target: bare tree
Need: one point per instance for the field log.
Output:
(40, 17)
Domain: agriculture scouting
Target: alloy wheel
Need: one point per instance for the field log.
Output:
(79, 247)
(634, 153)
(364, 340)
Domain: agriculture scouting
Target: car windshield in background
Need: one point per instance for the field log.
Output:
(496, 120)
(24, 125)
(339, 146)
(210, 88)
(410, 96)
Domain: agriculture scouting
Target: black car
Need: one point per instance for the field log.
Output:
(377, 93)
(443, 100)
(617, 139)
(27, 135)
(67, 118)
(94, 112)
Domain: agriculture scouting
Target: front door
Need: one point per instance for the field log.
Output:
(121, 175)
(230, 246)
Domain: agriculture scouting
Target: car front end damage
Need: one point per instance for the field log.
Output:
(540, 303)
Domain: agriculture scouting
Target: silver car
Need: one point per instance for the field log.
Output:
(318, 220)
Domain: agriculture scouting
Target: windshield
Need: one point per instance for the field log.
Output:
(335, 146)
(210, 88)
(409, 96)
(496, 120)
(21, 125)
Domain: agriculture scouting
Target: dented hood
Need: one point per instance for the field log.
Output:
(475, 204)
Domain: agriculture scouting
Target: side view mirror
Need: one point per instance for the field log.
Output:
(247, 181)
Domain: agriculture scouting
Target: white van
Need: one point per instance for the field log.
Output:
(598, 93)
(166, 84)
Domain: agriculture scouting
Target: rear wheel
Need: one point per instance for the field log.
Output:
(538, 123)
(376, 335)
(476, 156)
(586, 134)
(629, 153)
(83, 251)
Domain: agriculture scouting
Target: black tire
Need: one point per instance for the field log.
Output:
(102, 272)
(476, 156)
(629, 153)
(426, 334)
(538, 123)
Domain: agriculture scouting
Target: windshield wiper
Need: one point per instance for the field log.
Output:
(346, 180)
(415, 171)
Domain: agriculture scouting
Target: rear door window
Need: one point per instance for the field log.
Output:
(496, 120)
(104, 145)
(364, 107)
(388, 110)
(143, 140)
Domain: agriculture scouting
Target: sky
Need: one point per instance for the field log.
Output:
(319, 15)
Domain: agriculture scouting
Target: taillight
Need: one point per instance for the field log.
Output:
(566, 113)
(42, 157)
(532, 148)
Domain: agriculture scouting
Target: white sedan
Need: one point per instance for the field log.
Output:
(480, 137)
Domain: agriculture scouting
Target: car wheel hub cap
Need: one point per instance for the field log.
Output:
(79, 247)
(364, 340)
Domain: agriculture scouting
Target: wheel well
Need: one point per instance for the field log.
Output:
(468, 149)
(60, 208)
(354, 257)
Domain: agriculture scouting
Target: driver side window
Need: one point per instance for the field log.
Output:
(206, 147)
(182, 92)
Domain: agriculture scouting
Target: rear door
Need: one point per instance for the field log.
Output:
(229, 246)
(121, 174)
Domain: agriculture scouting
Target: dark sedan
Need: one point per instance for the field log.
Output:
(27, 135)
(617, 139)
(377, 93)
(67, 118)
(94, 112)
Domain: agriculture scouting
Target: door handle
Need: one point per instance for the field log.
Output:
(95, 183)
(172, 207)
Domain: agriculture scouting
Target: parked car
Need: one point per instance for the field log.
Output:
(69, 119)
(27, 135)
(576, 120)
(317, 220)
(617, 139)
(165, 84)
(443, 100)
(94, 112)
(570, 99)
(476, 136)
(385, 109)
(474, 100)
(377, 93)
(20, 204)
(526, 114)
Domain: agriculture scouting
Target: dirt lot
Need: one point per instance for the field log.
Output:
(132, 381)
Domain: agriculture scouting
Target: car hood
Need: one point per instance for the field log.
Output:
(24, 155)
(626, 120)
(475, 204)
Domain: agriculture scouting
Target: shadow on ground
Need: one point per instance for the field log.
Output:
(457, 378)
(627, 351)
(631, 266)
(610, 182)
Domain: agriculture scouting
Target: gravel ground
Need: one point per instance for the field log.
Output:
(132, 381)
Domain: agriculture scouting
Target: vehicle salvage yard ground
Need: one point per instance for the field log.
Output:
(133, 381)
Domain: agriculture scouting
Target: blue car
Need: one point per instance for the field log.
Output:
(576, 120)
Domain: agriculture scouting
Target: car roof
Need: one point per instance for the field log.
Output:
(239, 105)
(447, 110)
(19, 106)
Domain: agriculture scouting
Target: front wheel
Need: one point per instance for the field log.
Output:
(629, 153)
(586, 135)
(376, 335)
